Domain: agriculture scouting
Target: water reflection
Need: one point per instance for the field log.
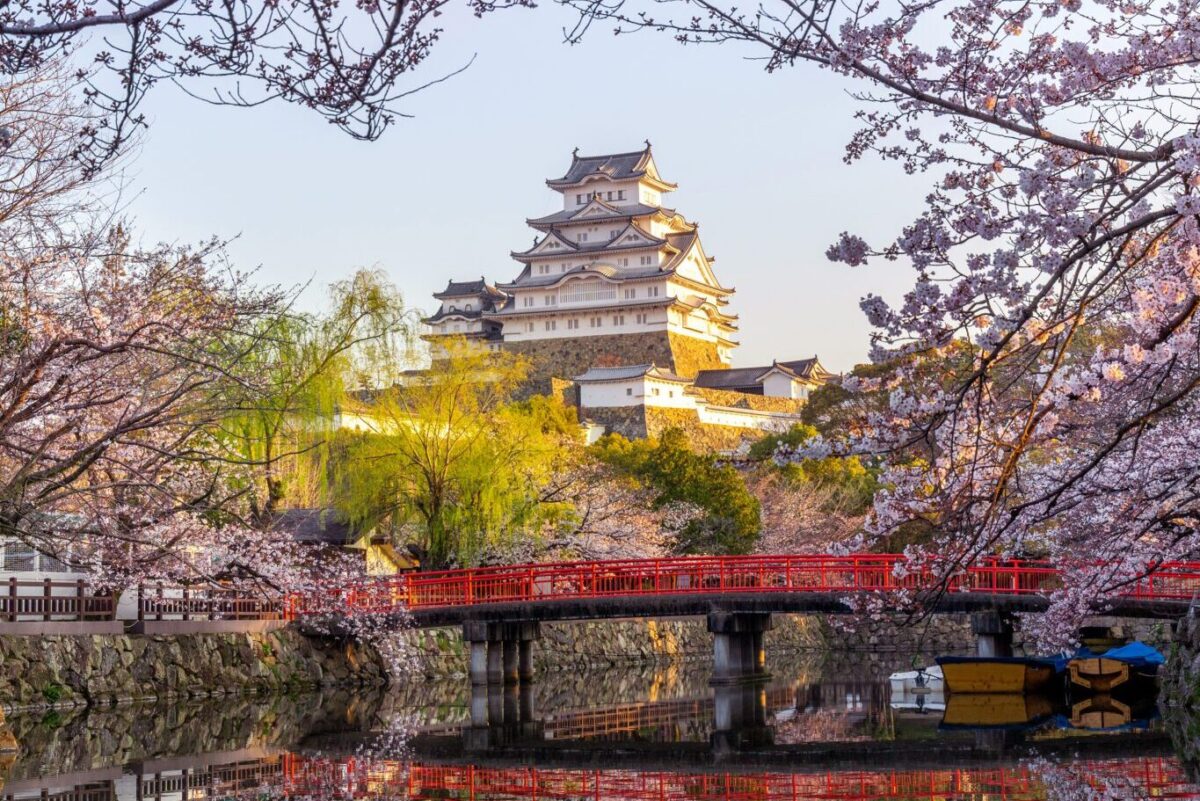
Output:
(627, 735)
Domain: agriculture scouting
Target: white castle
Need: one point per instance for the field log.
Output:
(618, 294)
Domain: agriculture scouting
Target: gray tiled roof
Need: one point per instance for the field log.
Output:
(616, 166)
(457, 289)
(616, 212)
(314, 526)
(629, 371)
(806, 368)
(606, 270)
(735, 377)
(650, 240)
(442, 314)
(731, 378)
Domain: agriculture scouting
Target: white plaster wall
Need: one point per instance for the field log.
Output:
(603, 186)
(746, 418)
(516, 328)
(613, 393)
(666, 394)
(778, 385)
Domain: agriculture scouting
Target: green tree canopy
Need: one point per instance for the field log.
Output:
(729, 519)
(449, 458)
(851, 482)
(301, 369)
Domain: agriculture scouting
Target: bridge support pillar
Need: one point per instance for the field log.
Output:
(525, 660)
(738, 652)
(511, 676)
(501, 652)
(993, 633)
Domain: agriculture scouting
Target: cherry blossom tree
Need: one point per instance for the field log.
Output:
(119, 363)
(351, 63)
(1059, 239)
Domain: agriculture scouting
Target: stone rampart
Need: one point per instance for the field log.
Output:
(743, 400)
(571, 356)
(94, 670)
(702, 436)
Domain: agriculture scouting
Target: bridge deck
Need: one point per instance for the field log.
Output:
(696, 585)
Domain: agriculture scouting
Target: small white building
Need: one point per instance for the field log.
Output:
(650, 387)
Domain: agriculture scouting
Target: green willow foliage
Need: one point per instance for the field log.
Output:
(449, 460)
(730, 521)
(304, 368)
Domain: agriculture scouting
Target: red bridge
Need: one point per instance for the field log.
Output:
(353, 779)
(500, 608)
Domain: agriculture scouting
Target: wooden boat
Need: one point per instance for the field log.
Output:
(1131, 667)
(1098, 674)
(1014, 674)
(996, 710)
(1100, 712)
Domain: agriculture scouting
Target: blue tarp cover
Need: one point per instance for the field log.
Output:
(1136, 654)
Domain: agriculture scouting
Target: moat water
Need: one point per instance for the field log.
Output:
(818, 729)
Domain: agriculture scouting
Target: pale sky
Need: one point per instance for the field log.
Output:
(758, 159)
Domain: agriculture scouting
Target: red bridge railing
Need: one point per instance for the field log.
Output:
(369, 779)
(885, 573)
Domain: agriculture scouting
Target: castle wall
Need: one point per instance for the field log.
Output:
(743, 400)
(700, 435)
(569, 357)
(690, 356)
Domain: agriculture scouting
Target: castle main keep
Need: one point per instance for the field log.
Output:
(617, 294)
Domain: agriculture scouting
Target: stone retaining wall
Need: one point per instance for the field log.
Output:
(65, 671)
(1179, 697)
(744, 400)
(701, 436)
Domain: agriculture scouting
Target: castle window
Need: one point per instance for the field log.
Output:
(579, 198)
(550, 300)
(624, 262)
(529, 327)
(572, 323)
(630, 293)
(641, 318)
(620, 194)
(671, 393)
(528, 300)
(656, 391)
(610, 196)
(628, 390)
(582, 237)
(470, 306)
(647, 259)
(652, 292)
(551, 325)
(618, 319)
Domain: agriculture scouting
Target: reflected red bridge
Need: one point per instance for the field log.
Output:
(1135, 778)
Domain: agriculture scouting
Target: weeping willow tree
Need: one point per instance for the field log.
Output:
(449, 459)
(304, 370)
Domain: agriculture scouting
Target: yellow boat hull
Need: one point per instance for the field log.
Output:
(996, 709)
(1098, 674)
(994, 676)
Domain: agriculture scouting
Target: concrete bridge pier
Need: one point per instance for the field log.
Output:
(993, 632)
(501, 714)
(738, 645)
(501, 652)
(740, 717)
